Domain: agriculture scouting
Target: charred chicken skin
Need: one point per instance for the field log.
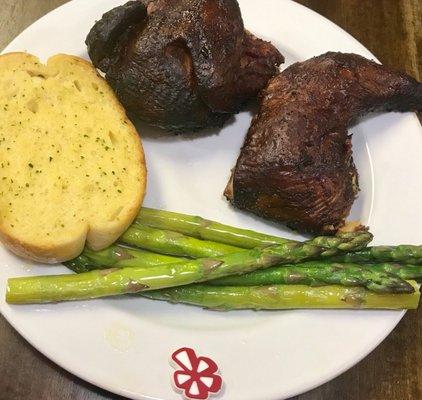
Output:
(296, 164)
(182, 65)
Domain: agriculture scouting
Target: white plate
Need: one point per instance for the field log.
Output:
(124, 345)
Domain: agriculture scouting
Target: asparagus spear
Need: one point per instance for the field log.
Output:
(206, 229)
(319, 273)
(166, 242)
(210, 230)
(406, 254)
(280, 297)
(173, 243)
(98, 283)
(378, 277)
(406, 271)
(119, 257)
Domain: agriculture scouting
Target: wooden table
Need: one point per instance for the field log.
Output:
(392, 30)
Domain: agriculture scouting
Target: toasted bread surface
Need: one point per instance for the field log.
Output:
(72, 167)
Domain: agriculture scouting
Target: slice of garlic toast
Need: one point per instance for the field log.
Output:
(72, 168)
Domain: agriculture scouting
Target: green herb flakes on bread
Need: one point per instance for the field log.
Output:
(72, 167)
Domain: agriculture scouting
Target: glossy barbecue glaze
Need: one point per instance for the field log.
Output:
(296, 164)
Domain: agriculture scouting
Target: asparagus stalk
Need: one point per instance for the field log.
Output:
(168, 242)
(177, 244)
(404, 253)
(206, 229)
(99, 283)
(319, 273)
(281, 297)
(406, 271)
(173, 243)
(378, 277)
(210, 230)
(119, 257)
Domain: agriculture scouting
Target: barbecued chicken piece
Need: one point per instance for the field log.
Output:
(296, 164)
(182, 65)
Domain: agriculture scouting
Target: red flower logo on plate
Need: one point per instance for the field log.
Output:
(197, 376)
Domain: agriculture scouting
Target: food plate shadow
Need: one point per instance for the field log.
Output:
(161, 135)
(362, 207)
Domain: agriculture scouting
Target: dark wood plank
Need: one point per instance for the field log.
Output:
(392, 30)
(16, 15)
(25, 374)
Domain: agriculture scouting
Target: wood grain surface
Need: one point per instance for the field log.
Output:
(392, 30)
